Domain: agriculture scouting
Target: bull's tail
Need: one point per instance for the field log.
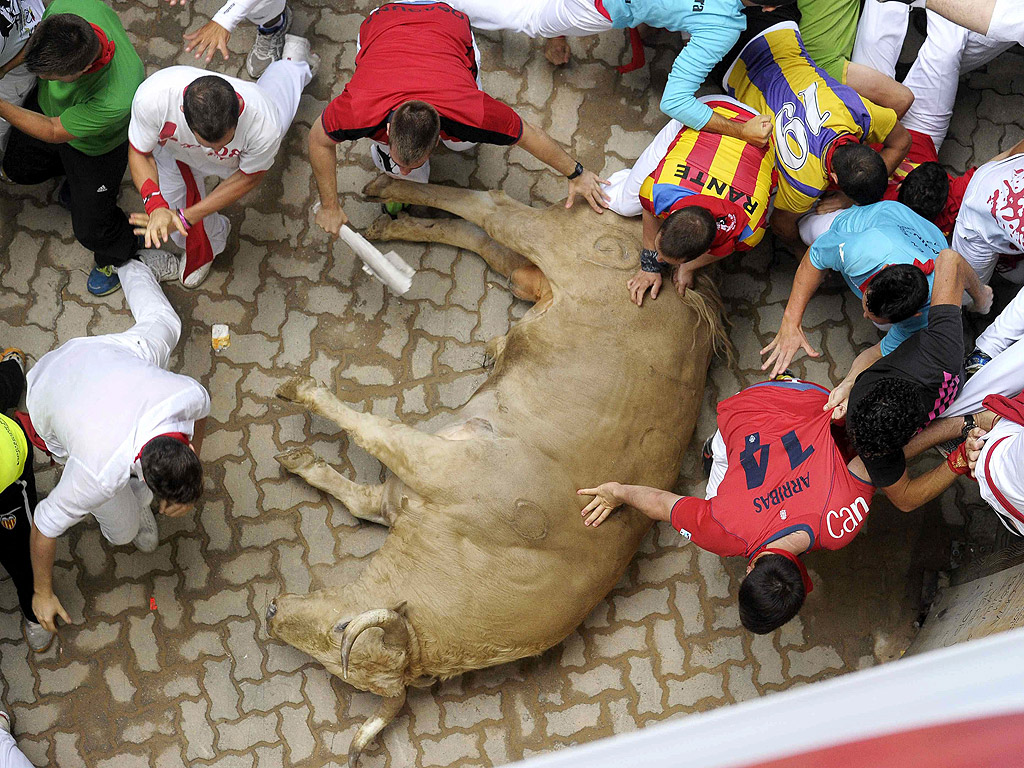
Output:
(707, 303)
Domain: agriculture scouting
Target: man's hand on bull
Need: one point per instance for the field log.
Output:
(606, 500)
(787, 342)
(208, 39)
(683, 279)
(757, 130)
(157, 227)
(588, 184)
(640, 283)
(47, 608)
(332, 219)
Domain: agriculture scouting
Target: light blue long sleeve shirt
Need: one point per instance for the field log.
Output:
(714, 27)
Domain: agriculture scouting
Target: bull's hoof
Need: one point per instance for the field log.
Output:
(297, 459)
(378, 229)
(296, 388)
(376, 187)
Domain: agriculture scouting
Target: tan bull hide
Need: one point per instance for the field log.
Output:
(488, 560)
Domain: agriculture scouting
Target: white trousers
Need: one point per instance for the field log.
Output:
(283, 82)
(978, 253)
(1007, 328)
(948, 52)
(624, 189)
(257, 11)
(999, 469)
(535, 18)
(155, 333)
(880, 34)
(14, 88)
(10, 755)
(1007, 23)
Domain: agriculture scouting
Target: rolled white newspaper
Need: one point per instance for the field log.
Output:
(388, 267)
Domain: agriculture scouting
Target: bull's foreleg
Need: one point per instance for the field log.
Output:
(363, 501)
(525, 279)
(515, 225)
(421, 461)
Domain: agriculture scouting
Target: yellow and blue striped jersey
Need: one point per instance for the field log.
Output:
(809, 109)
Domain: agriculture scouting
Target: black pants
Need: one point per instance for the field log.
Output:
(17, 501)
(94, 181)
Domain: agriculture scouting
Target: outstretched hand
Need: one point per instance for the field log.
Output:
(47, 608)
(157, 227)
(207, 39)
(588, 185)
(787, 342)
(605, 501)
(640, 282)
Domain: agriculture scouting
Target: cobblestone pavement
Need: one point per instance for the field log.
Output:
(167, 662)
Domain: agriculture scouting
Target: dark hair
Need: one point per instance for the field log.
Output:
(63, 44)
(172, 470)
(925, 190)
(861, 173)
(897, 292)
(415, 128)
(771, 594)
(882, 421)
(687, 233)
(211, 107)
(773, 3)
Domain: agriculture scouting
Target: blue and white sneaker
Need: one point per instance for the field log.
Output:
(103, 281)
(975, 361)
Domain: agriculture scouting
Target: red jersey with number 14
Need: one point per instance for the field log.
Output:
(785, 474)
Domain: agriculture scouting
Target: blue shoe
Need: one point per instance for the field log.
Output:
(975, 362)
(103, 281)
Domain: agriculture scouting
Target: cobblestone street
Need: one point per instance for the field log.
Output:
(168, 663)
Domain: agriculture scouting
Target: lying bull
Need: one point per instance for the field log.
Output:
(487, 560)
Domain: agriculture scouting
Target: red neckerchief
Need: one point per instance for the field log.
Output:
(1009, 408)
(106, 51)
(181, 437)
(925, 266)
(838, 141)
(808, 586)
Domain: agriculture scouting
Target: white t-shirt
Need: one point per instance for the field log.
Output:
(17, 20)
(158, 121)
(993, 206)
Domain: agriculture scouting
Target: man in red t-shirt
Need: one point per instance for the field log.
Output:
(781, 483)
(417, 83)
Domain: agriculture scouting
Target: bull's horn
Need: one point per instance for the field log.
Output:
(368, 731)
(396, 632)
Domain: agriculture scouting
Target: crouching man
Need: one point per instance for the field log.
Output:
(783, 482)
(124, 427)
(186, 125)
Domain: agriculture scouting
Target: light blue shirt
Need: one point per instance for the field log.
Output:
(865, 239)
(714, 27)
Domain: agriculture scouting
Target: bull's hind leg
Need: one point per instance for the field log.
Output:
(525, 280)
(516, 226)
(421, 461)
(363, 501)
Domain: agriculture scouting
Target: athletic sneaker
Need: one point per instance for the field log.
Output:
(707, 457)
(975, 362)
(786, 375)
(269, 45)
(297, 49)
(15, 354)
(38, 637)
(103, 281)
(164, 265)
(148, 537)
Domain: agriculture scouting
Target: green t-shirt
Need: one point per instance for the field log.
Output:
(829, 30)
(97, 107)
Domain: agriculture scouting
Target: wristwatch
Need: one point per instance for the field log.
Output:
(968, 426)
(577, 172)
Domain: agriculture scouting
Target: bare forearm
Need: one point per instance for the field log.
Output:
(920, 490)
(142, 168)
(652, 226)
(896, 146)
(324, 159)
(972, 283)
(13, 63)
(34, 124)
(547, 150)
(861, 363)
(938, 431)
(654, 503)
(232, 189)
(718, 124)
(42, 550)
(805, 285)
(198, 433)
(785, 226)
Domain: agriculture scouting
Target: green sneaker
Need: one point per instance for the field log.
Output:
(393, 209)
(103, 281)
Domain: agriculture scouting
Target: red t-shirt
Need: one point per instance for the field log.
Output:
(922, 150)
(424, 52)
(786, 473)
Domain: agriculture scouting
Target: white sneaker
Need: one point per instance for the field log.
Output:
(196, 276)
(163, 264)
(148, 537)
(297, 49)
(267, 47)
(37, 636)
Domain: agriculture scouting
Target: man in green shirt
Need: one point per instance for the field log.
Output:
(76, 125)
